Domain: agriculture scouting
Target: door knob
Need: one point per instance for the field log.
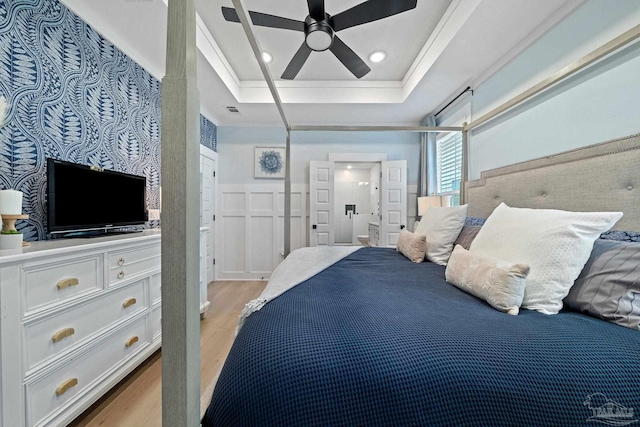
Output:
(314, 226)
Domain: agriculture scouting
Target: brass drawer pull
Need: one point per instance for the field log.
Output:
(62, 388)
(62, 333)
(121, 261)
(120, 274)
(65, 283)
(131, 341)
(129, 302)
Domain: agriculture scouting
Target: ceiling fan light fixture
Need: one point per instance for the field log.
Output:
(377, 56)
(319, 35)
(320, 30)
(267, 57)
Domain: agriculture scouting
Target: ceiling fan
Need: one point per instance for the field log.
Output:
(320, 30)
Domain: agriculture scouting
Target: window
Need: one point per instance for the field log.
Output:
(449, 166)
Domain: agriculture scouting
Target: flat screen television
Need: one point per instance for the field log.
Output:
(86, 198)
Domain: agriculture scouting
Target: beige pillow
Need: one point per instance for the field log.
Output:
(442, 227)
(500, 283)
(412, 245)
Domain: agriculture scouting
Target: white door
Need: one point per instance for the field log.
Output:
(321, 232)
(393, 201)
(207, 206)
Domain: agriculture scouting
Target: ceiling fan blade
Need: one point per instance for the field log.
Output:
(369, 11)
(349, 58)
(264, 20)
(316, 9)
(297, 62)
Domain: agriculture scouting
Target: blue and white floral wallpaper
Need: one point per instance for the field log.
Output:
(73, 96)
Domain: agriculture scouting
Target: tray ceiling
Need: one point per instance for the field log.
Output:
(433, 51)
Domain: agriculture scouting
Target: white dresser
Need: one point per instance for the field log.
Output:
(77, 316)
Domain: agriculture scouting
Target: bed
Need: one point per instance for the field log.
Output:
(375, 339)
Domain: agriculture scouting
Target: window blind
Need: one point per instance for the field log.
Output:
(449, 163)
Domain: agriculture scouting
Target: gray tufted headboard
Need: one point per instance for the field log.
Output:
(600, 177)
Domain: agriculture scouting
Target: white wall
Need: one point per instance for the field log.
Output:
(237, 143)
(251, 211)
(598, 104)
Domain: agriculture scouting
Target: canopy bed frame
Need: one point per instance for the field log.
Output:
(180, 323)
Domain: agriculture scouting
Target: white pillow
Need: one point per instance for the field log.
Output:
(498, 282)
(442, 227)
(555, 244)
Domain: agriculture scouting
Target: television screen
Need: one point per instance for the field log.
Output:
(83, 197)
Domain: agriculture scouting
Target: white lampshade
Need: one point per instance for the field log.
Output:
(10, 202)
(446, 201)
(425, 203)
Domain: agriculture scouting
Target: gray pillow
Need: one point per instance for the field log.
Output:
(609, 285)
(466, 236)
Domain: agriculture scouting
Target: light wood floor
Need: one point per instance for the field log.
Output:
(137, 400)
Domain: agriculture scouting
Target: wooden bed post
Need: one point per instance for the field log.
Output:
(287, 196)
(180, 221)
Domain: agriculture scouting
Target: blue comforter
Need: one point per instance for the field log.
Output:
(376, 340)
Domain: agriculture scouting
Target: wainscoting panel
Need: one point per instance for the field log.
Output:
(261, 244)
(262, 202)
(233, 242)
(233, 201)
(251, 226)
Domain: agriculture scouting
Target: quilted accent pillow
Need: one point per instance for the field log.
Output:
(555, 244)
(411, 245)
(442, 227)
(498, 282)
(609, 285)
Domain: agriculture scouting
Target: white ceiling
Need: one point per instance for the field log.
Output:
(400, 36)
(433, 51)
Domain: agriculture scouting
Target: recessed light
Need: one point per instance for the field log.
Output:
(349, 166)
(377, 56)
(266, 57)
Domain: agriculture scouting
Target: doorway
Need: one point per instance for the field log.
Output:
(356, 200)
(208, 180)
(328, 216)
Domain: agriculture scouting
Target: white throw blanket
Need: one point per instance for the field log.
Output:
(301, 264)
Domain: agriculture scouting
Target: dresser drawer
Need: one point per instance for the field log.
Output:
(155, 288)
(63, 387)
(126, 264)
(156, 322)
(131, 256)
(56, 282)
(49, 337)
